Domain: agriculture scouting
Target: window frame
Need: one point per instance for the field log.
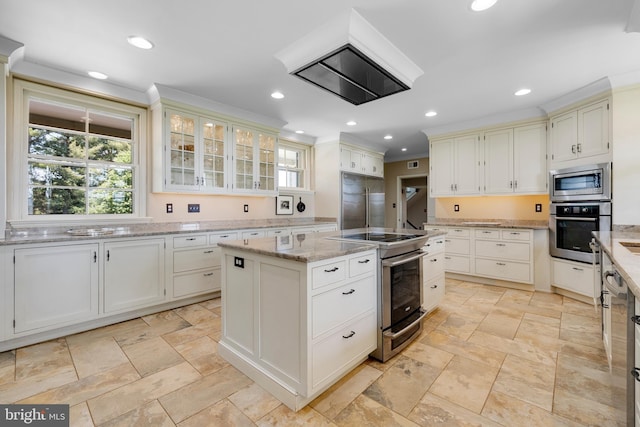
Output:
(306, 170)
(18, 179)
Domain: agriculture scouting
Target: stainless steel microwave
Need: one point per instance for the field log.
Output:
(589, 182)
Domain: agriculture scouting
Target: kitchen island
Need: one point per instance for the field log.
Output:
(298, 312)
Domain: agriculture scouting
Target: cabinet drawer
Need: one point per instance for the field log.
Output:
(487, 234)
(435, 245)
(277, 232)
(253, 234)
(195, 259)
(215, 238)
(516, 235)
(189, 241)
(337, 306)
(433, 266)
(362, 265)
(576, 277)
(514, 271)
(458, 232)
(433, 293)
(351, 343)
(195, 283)
(456, 264)
(516, 251)
(457, 246)
(328, 273)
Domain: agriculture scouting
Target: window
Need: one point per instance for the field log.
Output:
(292, 165)
(79, 155)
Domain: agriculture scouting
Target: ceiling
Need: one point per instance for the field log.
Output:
(225, 51)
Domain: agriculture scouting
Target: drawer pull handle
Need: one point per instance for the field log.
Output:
(434, 260)
(447, 257)
(366, 261)
(207, 274)
(349, 336)
(224, 236)
(349, 292)
(191, 238)
(578, 269)
(501, 244)
(334, 269)
(515, 233)
(635, 319)
(486, 232)
(434, 286)
(208, 252)
(500, 263)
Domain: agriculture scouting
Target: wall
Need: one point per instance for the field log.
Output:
(494, 207)
(626, 155)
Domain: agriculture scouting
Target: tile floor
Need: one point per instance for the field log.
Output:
(489, 356)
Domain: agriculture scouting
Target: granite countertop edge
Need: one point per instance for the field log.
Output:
(59, 233)
(488, 223)
(627, 264)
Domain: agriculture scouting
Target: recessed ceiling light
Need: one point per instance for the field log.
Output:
(277, 95)
(404, 149)
(430, 114)
(523, 92)
(388, 137)
(351, 123)
(480, 5)
(97, 75)
(139, 42)
(300, 131)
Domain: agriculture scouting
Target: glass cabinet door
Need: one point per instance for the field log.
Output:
(213, 154)
(183, 155)
(266, 173)
(244, 159)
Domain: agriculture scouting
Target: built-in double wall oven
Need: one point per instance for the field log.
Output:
(580, 204)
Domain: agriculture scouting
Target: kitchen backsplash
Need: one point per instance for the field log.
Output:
(504, 207)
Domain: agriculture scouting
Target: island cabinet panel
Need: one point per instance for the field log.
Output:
(433, 283)
(54, 286)
(240, 323)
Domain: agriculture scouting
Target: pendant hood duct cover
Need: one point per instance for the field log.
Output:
(339, 57)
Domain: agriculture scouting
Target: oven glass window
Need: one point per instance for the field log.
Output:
(405, 290)
(574, 235)
(590, 181)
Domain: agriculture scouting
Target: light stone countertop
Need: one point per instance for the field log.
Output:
(492, 223)
(312, 247)
(61, 234)
(627, 264)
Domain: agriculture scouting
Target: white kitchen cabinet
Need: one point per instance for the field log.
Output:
(455, 166)
(55, 286)
(457, 250)
(582, 133)
(296, 328)
(358, 160)
(195, 152)
(133, 274)
(515, 160)
(254, 160)
(433, 283)
(574, 276)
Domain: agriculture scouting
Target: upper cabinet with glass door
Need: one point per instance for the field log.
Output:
(196, 153)
(254, 160)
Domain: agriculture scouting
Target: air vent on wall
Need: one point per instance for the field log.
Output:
(413, 164)
(351, 59)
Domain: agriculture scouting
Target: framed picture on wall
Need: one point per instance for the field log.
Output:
(284, 205)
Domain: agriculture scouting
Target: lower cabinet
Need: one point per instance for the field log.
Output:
(433, 286)
(55, 286)
(576, 277)
(133, 274)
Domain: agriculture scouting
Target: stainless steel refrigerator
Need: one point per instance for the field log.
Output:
(362, 201)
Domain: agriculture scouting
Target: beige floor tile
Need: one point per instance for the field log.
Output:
(511, 296)
(254, 401)
(466, 383)
(462, 325)
(163, 317)
(509, 411)
(531, 382)
(470, 350)
(207, 328)
(96, 355)
(88, 387)
(367, 412)
(106, 331)
(547, 300)
(195, 313)
(194, 397)
(157, 328)
(573, 306)
(436, 411)
(37, 359)
(212, 303)
(401, 387)
(127, 398)
(150, 414)
(514, 347)
(152, 355)
(586, 411)
(79, 416)
(500, 324)
(285, 417)
(223, 413)
(7, 366)
(203, 355)
(581, 330)
(345, 391)
(428, 355)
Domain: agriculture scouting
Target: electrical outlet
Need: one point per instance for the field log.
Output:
(456, 208)
(246, 208)
(193, 207)
(169, 207)
(538, 207)
(238, 262)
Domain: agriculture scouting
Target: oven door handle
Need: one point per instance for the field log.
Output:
(393, 336)
(576, 218)
(392, 262)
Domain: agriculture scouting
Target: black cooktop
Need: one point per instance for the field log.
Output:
(381, 237)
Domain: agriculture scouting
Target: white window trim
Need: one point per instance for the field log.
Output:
(17, 184)
(308, 172)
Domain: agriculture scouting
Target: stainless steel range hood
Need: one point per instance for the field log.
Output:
(351, 59)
